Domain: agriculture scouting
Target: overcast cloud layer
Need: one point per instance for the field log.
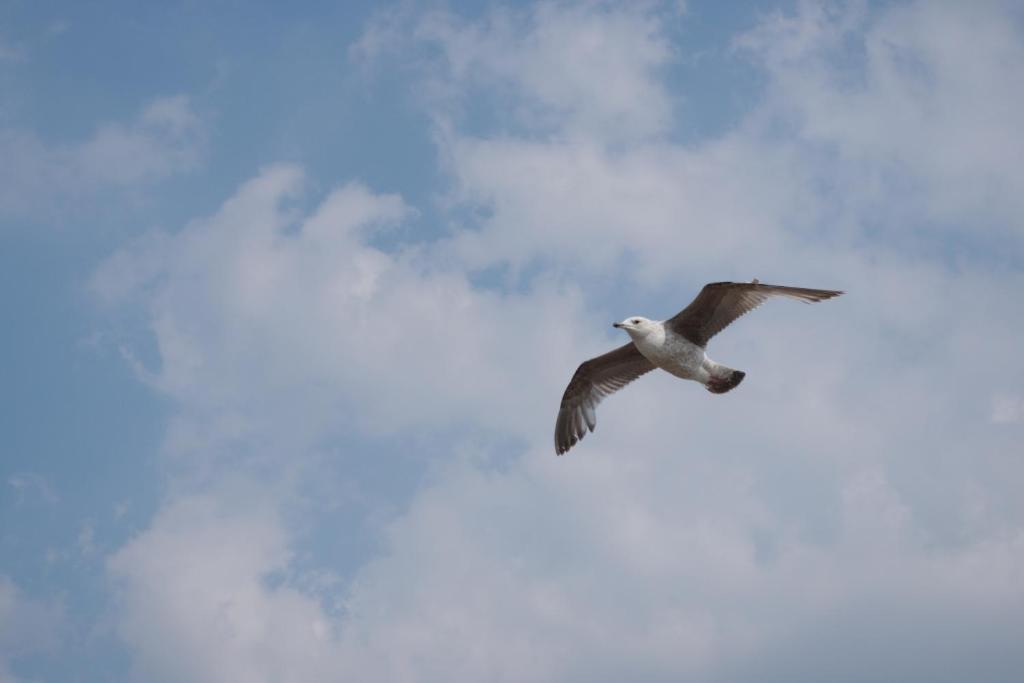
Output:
(356, 479)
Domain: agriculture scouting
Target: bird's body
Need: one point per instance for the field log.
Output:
(673, 353)
(676, 345)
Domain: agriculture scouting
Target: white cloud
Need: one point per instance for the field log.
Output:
(202, 577)
(896, 132)
(1007, 409)
(664, 568)
(671, 564)
(915, 117)
(335, 325)
(670, 209)
(166, 138)
(28, 626)
(585, 69)
(852, 496)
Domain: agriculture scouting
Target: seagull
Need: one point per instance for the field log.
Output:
(676, 345)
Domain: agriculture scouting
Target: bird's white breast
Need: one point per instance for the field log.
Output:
(671, 352)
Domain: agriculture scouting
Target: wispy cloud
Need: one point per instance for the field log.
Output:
(583, 70)
(29, 485)
(38, 178)
(1007, 409)
(918, 122)
(86, 539)
(28, 626)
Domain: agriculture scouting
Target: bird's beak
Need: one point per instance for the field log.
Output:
(617, 325)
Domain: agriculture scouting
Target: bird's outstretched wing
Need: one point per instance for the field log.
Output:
(595, 379)
(719, 303)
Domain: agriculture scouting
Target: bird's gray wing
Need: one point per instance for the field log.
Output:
(595, 379)
(719, 303)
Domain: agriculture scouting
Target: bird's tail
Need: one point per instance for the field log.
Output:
(725, 379)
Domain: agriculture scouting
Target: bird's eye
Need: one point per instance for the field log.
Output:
(637, 321)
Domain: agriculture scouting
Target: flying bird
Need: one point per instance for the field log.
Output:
(676, 345)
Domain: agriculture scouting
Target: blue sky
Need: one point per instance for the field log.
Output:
(292, 294)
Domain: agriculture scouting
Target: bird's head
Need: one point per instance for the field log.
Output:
(637, 326)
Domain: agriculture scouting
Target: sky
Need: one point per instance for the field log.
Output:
(291, 293)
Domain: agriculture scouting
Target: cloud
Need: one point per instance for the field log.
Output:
(28, 626)
(166, 138)
(665, 207)
(581, 69)
(897, 137)
(673, 565)
(550, 574)
(86, 539)
(31, 486)
(202, 577)
(337, 326)
(913, 117)
(1007, 409)
(852, 497)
